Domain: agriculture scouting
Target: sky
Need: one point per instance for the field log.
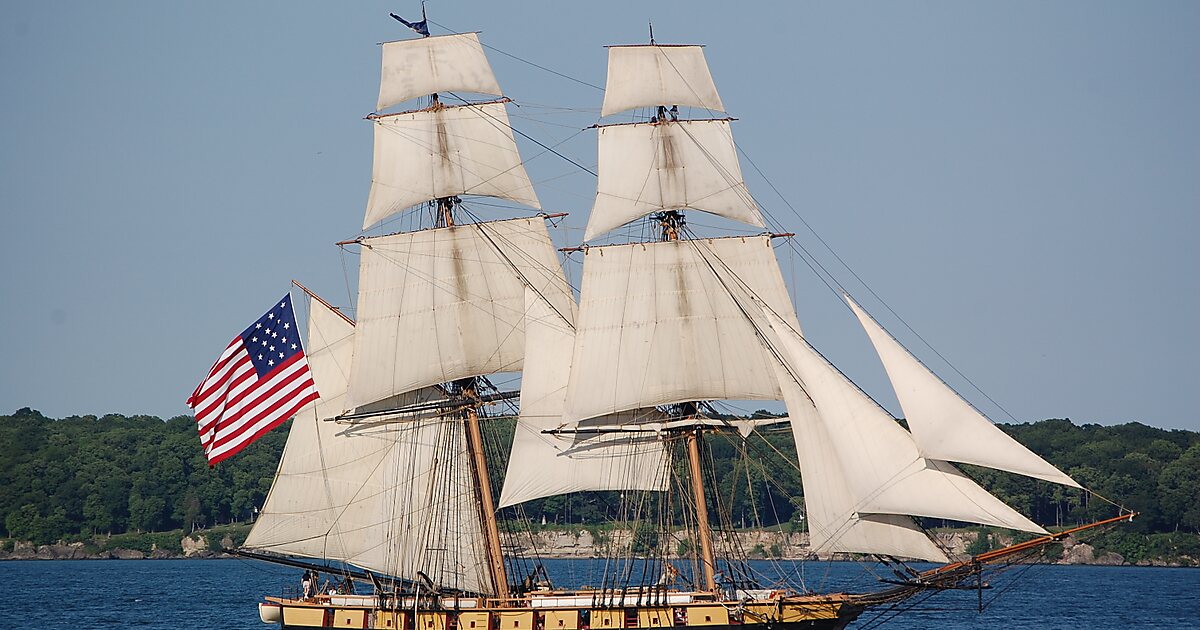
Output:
(1019, 182)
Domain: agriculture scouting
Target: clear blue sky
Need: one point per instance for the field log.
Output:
(1020, 181)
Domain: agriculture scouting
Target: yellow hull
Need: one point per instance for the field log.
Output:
(562, 611)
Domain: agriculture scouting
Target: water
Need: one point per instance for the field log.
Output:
(180, 594)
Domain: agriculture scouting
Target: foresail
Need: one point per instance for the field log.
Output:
(650, 167)
(646, 76)
(379, 496)
(443, 152)
(943, 425)
(542, 464)
(417, 510)
(674, 321)
(445, 63)
(884, 472)
(438, 305)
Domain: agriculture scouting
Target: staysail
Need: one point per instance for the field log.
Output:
(834, 523)
(544, 464)
(884, 472)
(943, 425)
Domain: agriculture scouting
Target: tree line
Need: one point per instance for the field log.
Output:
(87, 475)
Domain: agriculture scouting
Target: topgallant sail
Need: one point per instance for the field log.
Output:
(389, 475)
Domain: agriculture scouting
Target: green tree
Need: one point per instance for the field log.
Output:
(26, 523)
(1179, 489)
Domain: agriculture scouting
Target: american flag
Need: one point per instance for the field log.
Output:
(260, 380)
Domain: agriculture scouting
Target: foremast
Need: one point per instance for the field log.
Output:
(444, 208)
(441, 308)
(467, 389)
(708, 560)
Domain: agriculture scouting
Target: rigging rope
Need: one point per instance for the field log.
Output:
(526, 61)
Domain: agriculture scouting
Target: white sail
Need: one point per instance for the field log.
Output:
(444, 63)
(830, 507)
(442, 152)
(646, 76)
(443, 304)
(650, 167)
(944, 425)
(666, 322)
(884, 472)
(541, 464)
(375, 495)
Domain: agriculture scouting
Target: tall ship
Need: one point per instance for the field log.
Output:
(394, 485)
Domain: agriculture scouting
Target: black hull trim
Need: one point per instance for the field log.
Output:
(816, 624)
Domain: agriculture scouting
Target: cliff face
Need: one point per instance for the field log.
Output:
(583, 543)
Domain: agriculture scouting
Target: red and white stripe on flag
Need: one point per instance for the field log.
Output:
(252, 389)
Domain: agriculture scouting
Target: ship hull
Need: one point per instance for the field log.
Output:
(812, 613)
(828, 624)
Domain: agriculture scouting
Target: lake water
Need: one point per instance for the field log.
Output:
(184, 594)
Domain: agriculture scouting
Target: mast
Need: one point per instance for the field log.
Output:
(707, 558)
(478, 459)
(481, 481)
(483, 491)
(439, 308)
(658, 169)
(672, 222)
(479, 469)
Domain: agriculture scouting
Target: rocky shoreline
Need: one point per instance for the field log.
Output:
(581, 543)
(190, 547)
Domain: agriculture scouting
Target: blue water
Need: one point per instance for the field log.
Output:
(179, 594)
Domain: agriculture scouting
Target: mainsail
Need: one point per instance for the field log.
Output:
(944, 425)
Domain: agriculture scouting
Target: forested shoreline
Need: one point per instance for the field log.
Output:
(83, 477)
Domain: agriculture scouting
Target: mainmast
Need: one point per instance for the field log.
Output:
(659, 168)
(672, 223)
